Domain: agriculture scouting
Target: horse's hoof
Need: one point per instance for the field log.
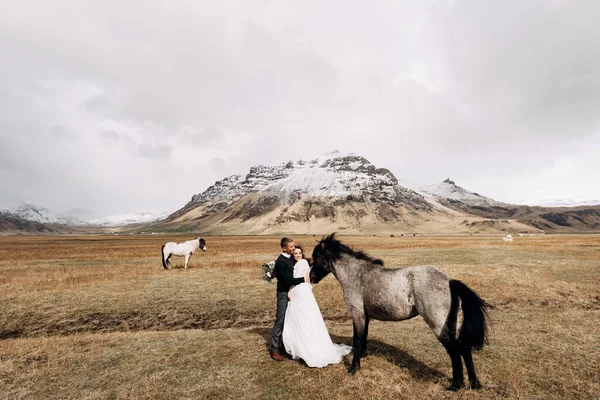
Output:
(352, 370)
(454, 387)
(476, 385)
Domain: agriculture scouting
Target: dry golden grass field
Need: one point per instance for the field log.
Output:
(95, 317)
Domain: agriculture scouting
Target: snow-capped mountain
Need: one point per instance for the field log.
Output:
(32, 213)
(338, 191)
(42, 215)
(449, 190)
(333, 176)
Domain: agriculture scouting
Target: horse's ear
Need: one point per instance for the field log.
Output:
(331, 238)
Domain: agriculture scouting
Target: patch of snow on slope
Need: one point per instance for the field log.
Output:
(559, 203)
(127, 218)
(311, 181)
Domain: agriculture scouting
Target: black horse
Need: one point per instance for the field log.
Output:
(372, 291)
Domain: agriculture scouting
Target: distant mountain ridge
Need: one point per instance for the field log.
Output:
(41, 219)
(335, 192)
(559, 203)
(347, 193)
(34, 213)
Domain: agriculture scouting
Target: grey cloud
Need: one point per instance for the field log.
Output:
(201, 138)
(155, 151)
(113, 136)
(217, 164)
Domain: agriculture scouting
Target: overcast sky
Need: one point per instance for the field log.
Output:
(137, 105)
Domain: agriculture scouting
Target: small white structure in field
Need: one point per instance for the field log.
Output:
(508, 238)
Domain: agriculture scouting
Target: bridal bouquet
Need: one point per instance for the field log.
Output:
(268, 269)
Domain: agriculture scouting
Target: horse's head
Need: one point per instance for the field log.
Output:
(202, 243)
(326, 253)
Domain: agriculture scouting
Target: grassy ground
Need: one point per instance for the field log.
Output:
(96, 317)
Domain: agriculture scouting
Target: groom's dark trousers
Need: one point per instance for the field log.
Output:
(284, 272)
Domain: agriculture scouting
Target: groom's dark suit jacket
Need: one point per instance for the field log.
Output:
(284, 271)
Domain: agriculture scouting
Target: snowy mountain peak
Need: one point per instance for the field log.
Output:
(31, 212)
(448, 190)
(334, 175)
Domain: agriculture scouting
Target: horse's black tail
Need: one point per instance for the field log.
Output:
(473, 331)
(162, 256)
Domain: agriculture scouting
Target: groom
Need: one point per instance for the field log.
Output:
(284, 272)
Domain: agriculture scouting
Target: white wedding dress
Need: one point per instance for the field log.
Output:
(305, 335)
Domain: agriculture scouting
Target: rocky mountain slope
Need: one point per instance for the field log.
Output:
(585, 218)
(341, 192)
(10, 225)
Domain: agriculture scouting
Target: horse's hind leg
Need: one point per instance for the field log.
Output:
(453, 349)
(467, 356)
(443, 325)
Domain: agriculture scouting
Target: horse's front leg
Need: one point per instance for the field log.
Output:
(187, 258)
(363, 344)
(359, 331)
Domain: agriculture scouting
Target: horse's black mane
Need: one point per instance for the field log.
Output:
(360, 254)
(338, 247)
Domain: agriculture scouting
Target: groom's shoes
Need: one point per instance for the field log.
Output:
(276, 356)
(285, 354)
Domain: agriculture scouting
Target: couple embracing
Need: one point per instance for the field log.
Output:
(299, 327)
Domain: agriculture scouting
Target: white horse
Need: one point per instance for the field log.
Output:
(181, 249)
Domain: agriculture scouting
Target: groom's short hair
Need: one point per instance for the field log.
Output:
(285, 241)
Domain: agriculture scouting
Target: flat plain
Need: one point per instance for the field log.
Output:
(95, 317)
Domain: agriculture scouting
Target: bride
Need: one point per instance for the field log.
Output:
(305, 335)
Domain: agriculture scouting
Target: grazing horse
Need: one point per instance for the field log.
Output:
(372, 291)
(181, 249)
